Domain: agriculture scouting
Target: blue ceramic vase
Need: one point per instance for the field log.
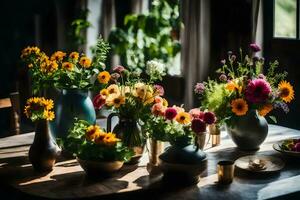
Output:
(71, 104)
(248, 132)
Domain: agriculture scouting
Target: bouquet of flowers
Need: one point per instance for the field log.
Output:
(39, 108)
(243, 87)
(175, 125)
(90, 142)
(73, 71)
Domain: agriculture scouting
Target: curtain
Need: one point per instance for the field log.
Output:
(139, 6)
(195, 54)
(108, 17)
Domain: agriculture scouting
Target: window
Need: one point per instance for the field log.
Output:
(286, 19)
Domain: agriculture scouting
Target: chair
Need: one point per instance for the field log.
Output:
(13, 103)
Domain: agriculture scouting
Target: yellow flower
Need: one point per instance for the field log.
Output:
(140, 90)
(265, 110)
(104, 92)
(124, 90)
(115, 100)
(29, 50)
(49, 115)
(68, 66)
(48, 103)
(85, 62)
(183, 118)
(239, 106)
(49, 67)
(58, 56)
(110, 139)
(233, 86)
(165, 102)
(149, 98)
(113, 89)
(103, 77)
(92, 132)
(286, 91)
(74, 56)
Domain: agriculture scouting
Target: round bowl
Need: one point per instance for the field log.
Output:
(100, 168)
(277, 147)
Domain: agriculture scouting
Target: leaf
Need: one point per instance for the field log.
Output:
(273, 118)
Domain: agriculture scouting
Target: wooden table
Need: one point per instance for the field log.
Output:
(68, 180)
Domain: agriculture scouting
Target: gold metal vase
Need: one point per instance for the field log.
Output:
(155, 149)
(215, 133)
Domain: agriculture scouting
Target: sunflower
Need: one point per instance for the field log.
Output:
(265, 110)
(49, 67)
(110, 139)
(115, 100)
(113, 89)
(286, 91)
(104, 92)
(92, 132)
(85, 62)
(58, 56)
(183, 118)
(99, 138)
(74, 56)
(103, 77)
(239, 107)
(68, 66)
(49, 115)
(48, 103)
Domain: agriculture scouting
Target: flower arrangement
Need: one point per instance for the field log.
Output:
(126, 93)
(39, 108)
(175, 125)
(90, 142)
(242, 87)
(62, 70)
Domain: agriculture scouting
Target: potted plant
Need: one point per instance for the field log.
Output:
(44, 150)
(130, 98)
(243, 96)
(98, 152)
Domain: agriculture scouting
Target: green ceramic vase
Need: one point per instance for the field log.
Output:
(71, 104)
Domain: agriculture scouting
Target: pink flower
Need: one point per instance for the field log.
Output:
(199, 88)
(158, 99)
(118, 69)
(159, 90)
(254, 47)
(170, 113)
(198, 125)
(158, 109)
(196, 113)
(209, 118)
(99, 101)
(258, 91)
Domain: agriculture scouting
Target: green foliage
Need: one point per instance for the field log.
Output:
(148, 36)
(77, 30)
(77, 143)
(100, 52)
(273, 76)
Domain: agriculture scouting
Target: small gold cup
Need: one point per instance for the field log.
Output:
(225, 171)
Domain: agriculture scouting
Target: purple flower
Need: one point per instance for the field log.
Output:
(254, 47)
(114, 76)
(223, 62)
(199, 88)
(198, 125)
(283, 106)
(118, 69)
(223, 77)
(209, 117)
(261, 76)
(258, 91)
(170, 113)
(159, 89)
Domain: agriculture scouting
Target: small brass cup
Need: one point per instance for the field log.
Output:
(225, 171)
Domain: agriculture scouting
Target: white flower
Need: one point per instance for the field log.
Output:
(155, 67)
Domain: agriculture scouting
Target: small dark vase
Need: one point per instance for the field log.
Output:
(248, 132)
(130, 132)
(71, 104)
(44, 150)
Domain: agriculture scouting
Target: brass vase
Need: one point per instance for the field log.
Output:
(200, 140)
(44, 150)
(155, 149)
(215, 134)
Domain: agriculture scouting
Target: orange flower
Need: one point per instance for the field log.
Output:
(103, 77)
(74, 56)
(58, 56)
(68, 66)
(85, 62)
(183, 118)
(286, 91)
(265, 110)
(239, 107)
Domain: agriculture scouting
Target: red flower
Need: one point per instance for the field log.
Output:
(98, 101)
(209, 117)
(198, 125)
(254, 47)
(170, 113)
